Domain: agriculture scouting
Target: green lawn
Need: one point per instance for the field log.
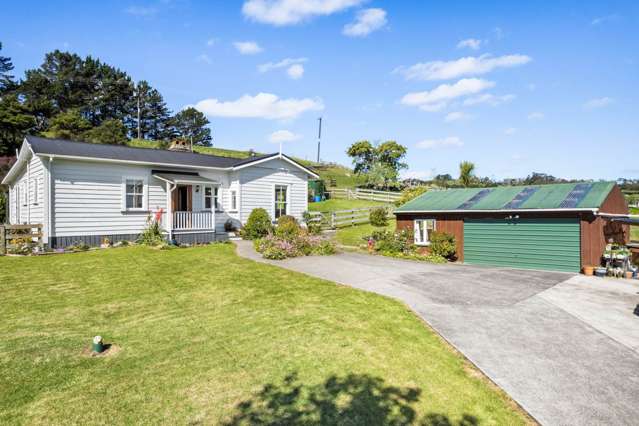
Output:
(207, 337)
(336, 204)
(354, 235)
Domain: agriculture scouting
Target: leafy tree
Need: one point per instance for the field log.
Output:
(410, 193)
(6, 79)
(68, 125)
(380, 164)
(191, 125)
(109, 132)
(540, 178)
(443, 180)
(15, 122)
(363, 155)
(466, 173)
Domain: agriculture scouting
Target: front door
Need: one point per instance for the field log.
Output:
(182, 199)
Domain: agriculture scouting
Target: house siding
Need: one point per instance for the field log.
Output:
(27, 195)
(87, 198)
(258, 188)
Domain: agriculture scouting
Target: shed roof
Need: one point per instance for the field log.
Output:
(564, 196)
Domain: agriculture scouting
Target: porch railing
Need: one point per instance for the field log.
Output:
(185, 221)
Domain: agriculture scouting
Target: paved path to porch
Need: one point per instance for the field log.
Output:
(565, 347)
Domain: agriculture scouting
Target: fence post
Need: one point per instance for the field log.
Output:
(40, 238)
(333, 220)
(3, 241)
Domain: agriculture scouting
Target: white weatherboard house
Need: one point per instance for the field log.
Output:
(82, 192)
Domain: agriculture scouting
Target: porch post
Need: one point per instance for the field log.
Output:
(169, 214)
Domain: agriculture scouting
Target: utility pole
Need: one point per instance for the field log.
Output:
(319, 139)
(138, 90)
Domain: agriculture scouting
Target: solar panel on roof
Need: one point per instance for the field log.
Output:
(575, 196)
(521, 197)
(474, 199)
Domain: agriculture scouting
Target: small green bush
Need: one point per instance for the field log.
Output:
(313, 225)
(287, 228)
(257, 226)
(393, 242)
(152, 234)
(379, 216)
(442, 244)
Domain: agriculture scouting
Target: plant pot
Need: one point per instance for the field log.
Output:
(589, 270)
(601, 272)
(629, 274)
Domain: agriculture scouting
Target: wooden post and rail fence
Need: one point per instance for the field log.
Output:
(342, 218)
(364, 194)
(12, 235)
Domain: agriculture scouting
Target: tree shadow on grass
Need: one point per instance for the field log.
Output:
(352, 400)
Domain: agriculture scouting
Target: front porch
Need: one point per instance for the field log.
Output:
(190, 207)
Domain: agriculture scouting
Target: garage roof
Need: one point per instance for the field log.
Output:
(564, 196)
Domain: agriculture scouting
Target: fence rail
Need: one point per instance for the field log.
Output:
(342, 218)
(364, 194)
(11, 236)
(184, 220)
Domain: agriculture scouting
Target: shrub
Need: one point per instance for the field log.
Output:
(313, 225)
(152, 234)
(78, 246)
(410, 193)
(442, 244)
(258, 225)
(274, 247)
(287, 228)
(378, 216)
(21, 245)
(389, 242)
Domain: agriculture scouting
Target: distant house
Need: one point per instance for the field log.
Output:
(556, 227)
(88, 192)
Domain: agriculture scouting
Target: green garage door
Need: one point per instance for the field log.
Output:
(551, 244)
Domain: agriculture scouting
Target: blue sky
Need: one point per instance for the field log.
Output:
(543, 86)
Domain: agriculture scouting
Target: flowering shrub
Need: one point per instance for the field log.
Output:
(443, 244)
(152, 234)
(287, 228)
(21, 245)
(400, 244)
(304, 244)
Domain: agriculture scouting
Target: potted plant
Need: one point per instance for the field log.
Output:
(589, 270)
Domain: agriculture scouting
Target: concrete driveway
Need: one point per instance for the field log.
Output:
(565, 347)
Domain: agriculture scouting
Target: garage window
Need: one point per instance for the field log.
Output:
(423, 230)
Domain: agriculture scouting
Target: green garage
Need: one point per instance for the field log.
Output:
(557, 227)
(551, 244)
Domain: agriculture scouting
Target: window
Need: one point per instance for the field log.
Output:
(208, 197)
(24, 192)
(233, 200)
(423, 230)
(134, 194)
(216, 198)
(36, 196)
(281, 200)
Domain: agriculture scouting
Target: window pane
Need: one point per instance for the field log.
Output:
(207, 191)
(138, 201)
(129, 201)
(129, 188)
(207, 202)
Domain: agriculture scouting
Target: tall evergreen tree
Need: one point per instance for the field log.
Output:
(191, 124)
(154, 118)
(6, 79)
(15, 122)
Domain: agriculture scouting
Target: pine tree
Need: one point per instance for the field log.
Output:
(6, 79)
(154, 116)
(191, 124)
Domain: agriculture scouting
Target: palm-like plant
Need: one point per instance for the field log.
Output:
(466, 169)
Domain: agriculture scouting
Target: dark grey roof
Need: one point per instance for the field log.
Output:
(63, 147)
(126, 153)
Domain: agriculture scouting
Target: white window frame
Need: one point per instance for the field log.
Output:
(145, 194)
(420, 228)
(288, 199)
(233, 199)
(217, 198)
(212, 197)
(24, 193)
(36, 193)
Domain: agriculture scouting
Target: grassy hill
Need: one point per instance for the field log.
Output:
(341, 175)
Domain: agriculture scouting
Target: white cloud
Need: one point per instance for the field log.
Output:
(489, 98)
(510, 131)
(536, 116)
(247, 47)
(211, 42)
(262, 105)
(451, 141)
(366, 21)
(438, 98)
(283, 136)
(141, 11)
(456, 116)
(598, 103)
(287, 62)
(470, 65)
(204, 58)
(289, 12)
(471, 43)
(295, 71)
(604, 19)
